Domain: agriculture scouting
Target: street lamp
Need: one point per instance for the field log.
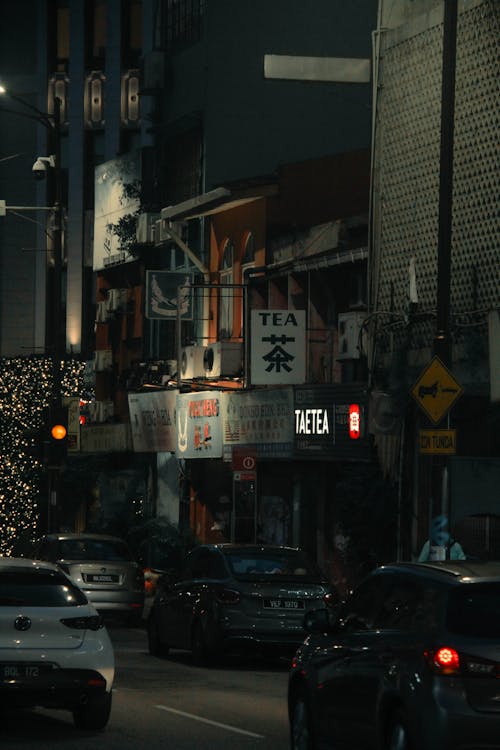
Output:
(55, 336)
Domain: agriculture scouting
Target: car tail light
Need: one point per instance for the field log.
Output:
(148, 581)
(329, 599)
(443, 660)
(448, 661)
(228, 596)
(93, 622)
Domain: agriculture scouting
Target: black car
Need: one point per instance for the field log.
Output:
(411, 661)
(232, 596)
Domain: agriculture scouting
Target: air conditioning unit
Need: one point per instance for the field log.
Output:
(192, 362)
(223, 359)
(162, 233)
(349, 330)
(102, 315)
(146, 228)
(117, 300)
(103, 360)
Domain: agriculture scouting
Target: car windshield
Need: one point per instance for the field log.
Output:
(38, 589)
(93, 549)
(474, 609)
(265, 563)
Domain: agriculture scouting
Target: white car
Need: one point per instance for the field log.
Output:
(54, 650)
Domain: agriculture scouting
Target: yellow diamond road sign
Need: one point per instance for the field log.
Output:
(436, 390)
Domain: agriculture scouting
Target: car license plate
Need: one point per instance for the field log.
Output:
(101, 578)
(20, 671)
(283, 604)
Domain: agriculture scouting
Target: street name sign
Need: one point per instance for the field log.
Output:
(436, 390)
(438, 442)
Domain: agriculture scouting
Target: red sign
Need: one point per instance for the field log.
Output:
(244, 459)
(354, 421)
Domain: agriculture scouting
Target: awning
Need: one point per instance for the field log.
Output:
(219, 199)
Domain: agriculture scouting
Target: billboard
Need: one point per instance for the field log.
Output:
(116, 201)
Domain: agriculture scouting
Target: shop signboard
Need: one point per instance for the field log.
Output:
(152, 421)
(330, 422)
(199, 425)
(261, 419)
(278, 347)
(168, 294)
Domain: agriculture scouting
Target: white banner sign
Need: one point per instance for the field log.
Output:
(152, 421)
(261, 419)
(278, 347)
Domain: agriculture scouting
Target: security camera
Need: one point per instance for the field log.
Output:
(39, 168)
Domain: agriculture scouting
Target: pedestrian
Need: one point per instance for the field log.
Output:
(455, 548)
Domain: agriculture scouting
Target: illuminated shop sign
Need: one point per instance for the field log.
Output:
(330, 422)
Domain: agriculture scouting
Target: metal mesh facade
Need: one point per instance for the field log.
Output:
(406, 177)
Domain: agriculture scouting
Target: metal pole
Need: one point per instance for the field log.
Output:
(442, 343)
(442, 340)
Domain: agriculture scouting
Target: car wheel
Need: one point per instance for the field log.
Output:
(155, 646)
(301, 726)
(94, 714)
(397, 735)
(202, 656)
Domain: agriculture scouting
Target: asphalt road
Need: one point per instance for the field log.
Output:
(161, 703)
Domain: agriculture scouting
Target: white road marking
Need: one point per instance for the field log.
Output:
(209, 721)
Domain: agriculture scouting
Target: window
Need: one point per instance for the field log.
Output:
(38, 588)
(226, 293)
(183, 23)
(361, 610)
(474, 610)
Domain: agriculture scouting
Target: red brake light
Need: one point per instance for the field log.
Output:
(444, 660)
(228, 596)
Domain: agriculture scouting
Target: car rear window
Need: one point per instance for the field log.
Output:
(474, 609)
(282, 563)
(94, 549)
(38, 589)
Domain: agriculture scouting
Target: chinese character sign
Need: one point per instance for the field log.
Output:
(278, 347)
(199, 425)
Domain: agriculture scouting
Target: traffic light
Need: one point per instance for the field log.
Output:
(56, 436)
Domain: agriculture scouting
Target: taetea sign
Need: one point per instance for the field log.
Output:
(278, 347)
(330, 422)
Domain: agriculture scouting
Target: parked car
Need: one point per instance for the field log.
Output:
(232, 596)
(54, 649)
(103, 566)
(410, 661)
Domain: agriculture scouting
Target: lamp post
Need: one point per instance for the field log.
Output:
(55, 334)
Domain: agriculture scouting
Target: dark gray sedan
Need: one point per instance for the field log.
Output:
(230, 597)
(411, 661)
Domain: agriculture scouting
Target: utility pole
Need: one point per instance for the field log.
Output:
(442, 340)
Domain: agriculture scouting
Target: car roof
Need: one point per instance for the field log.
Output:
(450, 571)
(231, 547)
(26, 564)
(64, 536)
